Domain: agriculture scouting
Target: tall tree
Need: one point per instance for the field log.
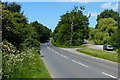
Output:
(42, 31)
(72, 29)
(108, 14)
(106, 32)
(13, 7)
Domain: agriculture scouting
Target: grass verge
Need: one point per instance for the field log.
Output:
(63, 46)
(27, 64)
(100, 54)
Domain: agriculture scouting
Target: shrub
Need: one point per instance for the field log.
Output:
(30, 42)
(26, 64)
(8, 47)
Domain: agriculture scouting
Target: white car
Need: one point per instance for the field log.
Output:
(108, 47)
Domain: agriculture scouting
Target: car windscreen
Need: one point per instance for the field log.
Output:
(110, 46)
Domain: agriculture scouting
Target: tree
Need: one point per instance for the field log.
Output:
(17, 31)
(13, 7)
(108, 25)
(43, 33)
(108, 14)
(14, 27)
(72, 28)
(105, 32)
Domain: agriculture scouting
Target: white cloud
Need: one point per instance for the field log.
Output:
(85, 1)
(109, 5)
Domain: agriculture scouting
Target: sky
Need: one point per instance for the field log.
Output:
(63, 0)
(48, 13)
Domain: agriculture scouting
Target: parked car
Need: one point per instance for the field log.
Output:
(108, 47)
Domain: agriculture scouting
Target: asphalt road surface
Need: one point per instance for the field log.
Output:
(93, 46)
(64, 64)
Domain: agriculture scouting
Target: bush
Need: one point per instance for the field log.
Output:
(30, 42)
(26, 64)
(8, 47)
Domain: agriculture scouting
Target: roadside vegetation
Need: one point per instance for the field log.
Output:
(106, 30)
(25, 64)
(72, 28)
(21, 44)
(100, 54)
(63, 46)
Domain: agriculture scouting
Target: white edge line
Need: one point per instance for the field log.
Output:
(109, 75)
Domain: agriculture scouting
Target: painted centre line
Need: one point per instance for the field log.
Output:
(67, 58)
(48, 47)
(79, 63)
(64, 56)
(53, 50)
(56, 52)
(109, 75)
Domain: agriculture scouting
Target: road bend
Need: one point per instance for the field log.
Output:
(64, 64)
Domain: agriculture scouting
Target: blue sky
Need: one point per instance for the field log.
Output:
(48, 13)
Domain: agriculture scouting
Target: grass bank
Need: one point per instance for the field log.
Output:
(100, 54)
(63, 46)
(26, 64)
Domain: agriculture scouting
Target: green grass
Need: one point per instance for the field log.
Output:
(27, 64)
(100, 53)
(63, 46)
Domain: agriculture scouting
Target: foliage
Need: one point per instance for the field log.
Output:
(72, 29)
(109, 19)
(8, 47)
(18, 32)
(30, 42)
(13, 7)
(14, 26)
(63, 46)
(108, 14)
(105, 33)
(108, 25)
(25, 64)
(18, 36)
(43, 31)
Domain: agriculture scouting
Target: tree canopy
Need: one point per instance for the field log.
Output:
(108, 14)
(106, 31)
(17, 30)
(72, 28)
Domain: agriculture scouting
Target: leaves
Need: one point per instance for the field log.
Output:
(72, 28)
(105, 33)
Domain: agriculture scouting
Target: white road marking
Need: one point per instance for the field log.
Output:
(53, 50)
(67, 58)
(56, 52)
(48, 47)
(82, 64)
(74, 61)
(109, 75)
(79, 63)
(64, 56)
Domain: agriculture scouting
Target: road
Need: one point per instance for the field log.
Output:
(64, 64)
(93, 46)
